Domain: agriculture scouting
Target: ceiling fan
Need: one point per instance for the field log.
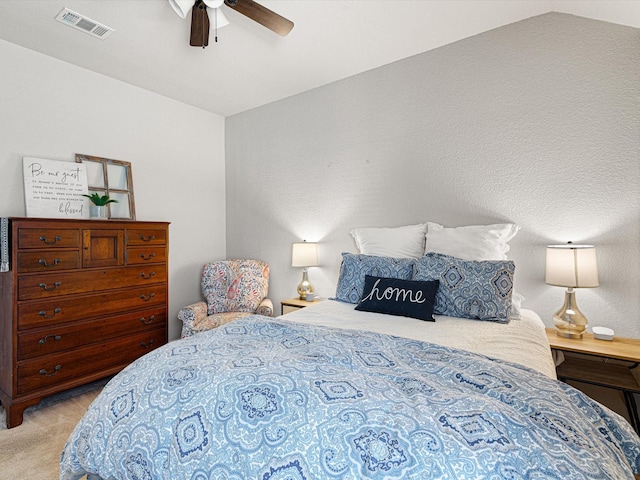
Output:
(200, 22)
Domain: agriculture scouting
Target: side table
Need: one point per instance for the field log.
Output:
(293, 304)
(593, 366)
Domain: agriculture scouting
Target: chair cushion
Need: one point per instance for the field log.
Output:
(236, 285)
(217, 320)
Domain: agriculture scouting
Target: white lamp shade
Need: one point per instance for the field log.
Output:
(573, 266)
(304, 254)
(182, 7)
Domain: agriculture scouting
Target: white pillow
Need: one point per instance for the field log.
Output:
(473, 242)
(398, 242)
(516, 304)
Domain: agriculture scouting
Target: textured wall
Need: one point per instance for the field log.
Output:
(535, 123)
(51, 109)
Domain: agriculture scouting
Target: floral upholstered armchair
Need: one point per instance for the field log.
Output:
(231, 289)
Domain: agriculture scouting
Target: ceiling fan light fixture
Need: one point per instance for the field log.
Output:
(221, 20)
(213, 3)
(181, 7)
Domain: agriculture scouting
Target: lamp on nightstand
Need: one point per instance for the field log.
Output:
(571, 266)
(304, 254)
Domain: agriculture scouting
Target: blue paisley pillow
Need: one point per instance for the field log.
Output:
(355, 266)
(479, 290)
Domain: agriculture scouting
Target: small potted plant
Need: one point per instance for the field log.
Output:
(99, 208)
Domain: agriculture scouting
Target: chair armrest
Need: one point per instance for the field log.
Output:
(191, 314)
(265, 308)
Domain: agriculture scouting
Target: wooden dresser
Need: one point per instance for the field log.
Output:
(82, 299)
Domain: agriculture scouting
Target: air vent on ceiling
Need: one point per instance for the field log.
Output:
(84, 24)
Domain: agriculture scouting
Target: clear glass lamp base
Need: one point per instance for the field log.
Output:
(569, 320)
(305, 286)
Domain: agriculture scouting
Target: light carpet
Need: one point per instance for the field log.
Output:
(31, 451)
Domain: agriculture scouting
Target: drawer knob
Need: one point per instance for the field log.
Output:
(146, 298)
(56, 369)
(144, 238)
(146, 277)
(147, 345)
(56, 239)
(149, 320)
(43, 313)
(44, 263)
(43, 340)
(147, 257)
(49, 289)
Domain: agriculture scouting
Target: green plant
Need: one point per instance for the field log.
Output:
(100, 201)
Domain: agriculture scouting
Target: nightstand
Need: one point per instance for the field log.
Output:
(601, 362)
(293, 304)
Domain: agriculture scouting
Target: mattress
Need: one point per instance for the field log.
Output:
(521, 341)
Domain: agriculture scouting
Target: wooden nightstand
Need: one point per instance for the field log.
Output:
(293, 304)
(601, 362)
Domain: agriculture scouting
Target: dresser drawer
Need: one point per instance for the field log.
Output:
(55, 369)
(48, 261)
(61, 310)
(48, 238)
(140, 255)
(58, 338)
(59, 284)
(146, 236)
(102, 247)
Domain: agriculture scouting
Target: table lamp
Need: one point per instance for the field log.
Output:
(571, 266)
(304, 254)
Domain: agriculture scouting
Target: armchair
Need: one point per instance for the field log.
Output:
(231, 289)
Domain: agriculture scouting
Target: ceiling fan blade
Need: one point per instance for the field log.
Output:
(262, 15)
(199, 25)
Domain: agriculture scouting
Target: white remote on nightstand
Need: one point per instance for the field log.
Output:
(602, 333)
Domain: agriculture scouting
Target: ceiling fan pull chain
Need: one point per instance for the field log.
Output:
(203, 26)
(215, 25)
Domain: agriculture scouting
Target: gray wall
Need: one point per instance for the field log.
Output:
(52, 109)
(535, 123)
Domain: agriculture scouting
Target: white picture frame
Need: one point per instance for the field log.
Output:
(55, 189)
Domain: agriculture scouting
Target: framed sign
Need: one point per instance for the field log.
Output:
(55, 189)
(111, 177)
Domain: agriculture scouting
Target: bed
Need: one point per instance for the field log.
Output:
(522, 341)
(337, 392)
(292, 398)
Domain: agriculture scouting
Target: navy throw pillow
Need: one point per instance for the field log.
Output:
(393, 296)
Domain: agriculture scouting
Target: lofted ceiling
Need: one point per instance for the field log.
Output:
(250, 66)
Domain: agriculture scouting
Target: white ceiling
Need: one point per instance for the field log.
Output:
(251, 66)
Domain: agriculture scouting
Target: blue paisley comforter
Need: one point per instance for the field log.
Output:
(270, 399)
